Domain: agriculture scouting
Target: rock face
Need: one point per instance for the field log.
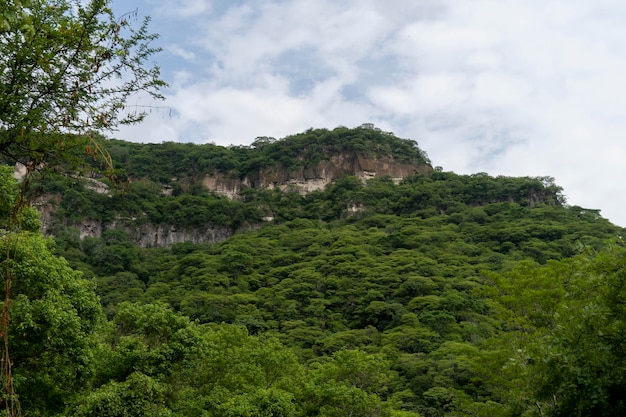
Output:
(221, 184)
(149, 236)
(315, 176)
(144, 234)
(308, 178)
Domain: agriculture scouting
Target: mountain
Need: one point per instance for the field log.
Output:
(171, 193)
(396, 290)
(169, 174)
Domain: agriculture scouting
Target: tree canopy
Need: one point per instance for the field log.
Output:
(67, 69)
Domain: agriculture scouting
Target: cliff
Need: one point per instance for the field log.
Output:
(142, 233)
(145, 233)
(313, 177)
(205, 193)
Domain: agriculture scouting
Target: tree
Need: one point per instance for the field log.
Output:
(138, 396)
(351, 383)
(67, 69)
(54, 314)
(27, 218)
(580, 363)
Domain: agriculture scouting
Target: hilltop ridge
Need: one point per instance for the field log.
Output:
(307, 161)
(175, 192)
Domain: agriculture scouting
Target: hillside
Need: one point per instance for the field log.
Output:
(396, 289)
(174, 192)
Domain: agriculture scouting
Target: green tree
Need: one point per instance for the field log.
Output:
(138, 396)
(12, 220)
(54, 315)
(68, 68)
(579, 364)
(351, 383)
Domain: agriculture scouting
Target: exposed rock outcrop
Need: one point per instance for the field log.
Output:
(312, 177)
(148, 235)
(221, 184)
(309, 177)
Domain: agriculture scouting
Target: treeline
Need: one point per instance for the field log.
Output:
(435, 194)
(164, 161)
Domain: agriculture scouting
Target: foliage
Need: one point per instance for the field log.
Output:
(441, 295)
(66, 72)
(15, 215)
(182, 165)
(66, 69)
(310, 147)
(54, 314)
(138, 396)
(578, 363)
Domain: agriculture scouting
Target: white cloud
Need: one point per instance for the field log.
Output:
(183, 9)
(179, 51)
(208, 113)
(514, 87)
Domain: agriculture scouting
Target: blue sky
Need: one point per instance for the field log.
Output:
(507, 87)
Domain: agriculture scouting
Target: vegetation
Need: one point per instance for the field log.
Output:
(443, 295)
(67, 69)
(310, 147)
(170, 163)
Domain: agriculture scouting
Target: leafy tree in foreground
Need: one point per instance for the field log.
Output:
(54, 314)
(67, 68)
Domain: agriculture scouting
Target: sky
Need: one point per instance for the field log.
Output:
(506, 87)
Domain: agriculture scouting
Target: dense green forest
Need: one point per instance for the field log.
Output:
(440, 295)
(437, 295)
(164, 161)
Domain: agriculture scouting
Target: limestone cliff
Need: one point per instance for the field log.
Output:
(311, 177)
(144, 234)
(308, 177)
(148, 235)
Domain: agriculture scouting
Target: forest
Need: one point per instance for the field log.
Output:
(434, 294)
(441, 295)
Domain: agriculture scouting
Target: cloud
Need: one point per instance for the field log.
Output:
(182, 9)
(208, 113)
(181, 52)
(511, 87)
